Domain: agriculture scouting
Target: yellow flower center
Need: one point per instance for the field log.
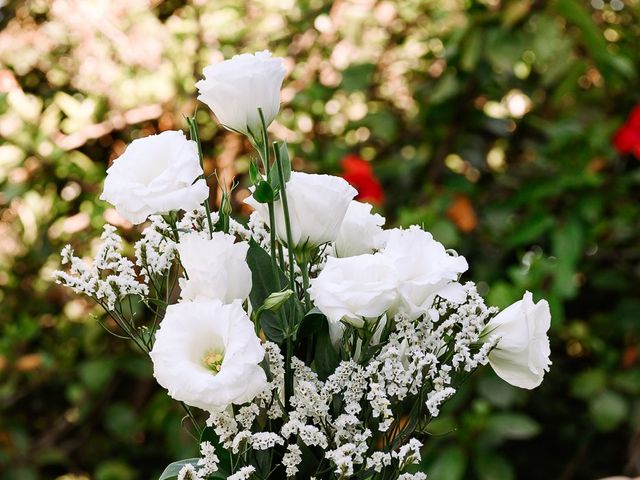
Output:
(213, 361)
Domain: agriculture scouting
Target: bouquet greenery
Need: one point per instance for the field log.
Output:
(319, 344)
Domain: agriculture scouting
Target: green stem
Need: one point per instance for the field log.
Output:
(193, 419)
(304, 267)
(272, 233)
(262, 146)
(287, 221)
(171, 220)
(195, 136)
(281, 256)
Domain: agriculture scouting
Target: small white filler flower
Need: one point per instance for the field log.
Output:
(207, 355)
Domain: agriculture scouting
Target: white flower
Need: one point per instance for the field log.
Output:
(207, 355)
(189, 472)
(216, 268)
(522, 355)
(359, 231)
(155, 174)
(413, 476)
(317, 206)
(291, 459)
(355, 289)
(243, 474)
(425, 270)
(235, 88)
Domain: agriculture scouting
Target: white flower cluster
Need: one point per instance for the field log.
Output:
(320, 344)
(108, 279)
(156, 249)
(416, 361)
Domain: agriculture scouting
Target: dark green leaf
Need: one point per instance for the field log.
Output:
(449, 465)
(263, 193)
(326, 357)
(264, 283)
(513, 426)
(282, 156)
(493, 467)
(608, 410)
(254, 173)
(224, 456)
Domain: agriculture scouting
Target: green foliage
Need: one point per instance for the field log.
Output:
(266, 282)
(488, 122)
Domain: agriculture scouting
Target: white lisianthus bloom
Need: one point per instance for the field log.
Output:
(425, 270)
(155, 175)
(355, 290)
(216, 267)
(317, 206)
(236, 88)
(521, 356)
(207, 355)
(359, 232)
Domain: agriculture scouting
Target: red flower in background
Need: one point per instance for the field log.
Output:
(627, 138)
(359, 173)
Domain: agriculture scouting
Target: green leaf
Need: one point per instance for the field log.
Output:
(497, 391)
(441, 425)
(95, 374)
(172, 470)
(449, 465)
(121, 421)
(108, 470)
(263, 193)
(224, 456)
(264, 283)
(326, 357)
(282, 156)
(357, 77)
(588, 383)
(567, 241)
(490, 466)
(608, 410)
(567, 244)
(576, 13)
(254, 173)
(311, 323)
(472, 48)
(532, 229)
(513, 426)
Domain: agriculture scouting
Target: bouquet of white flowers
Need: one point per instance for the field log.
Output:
(319, 344)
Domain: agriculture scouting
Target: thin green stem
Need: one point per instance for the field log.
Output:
(287, 220)
(304, 267)
(195, 136)
(171, 219)
(262, 146)
(281, 256)
(192, 417)
(272, 233)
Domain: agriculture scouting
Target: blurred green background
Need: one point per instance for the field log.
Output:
(488, 122)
